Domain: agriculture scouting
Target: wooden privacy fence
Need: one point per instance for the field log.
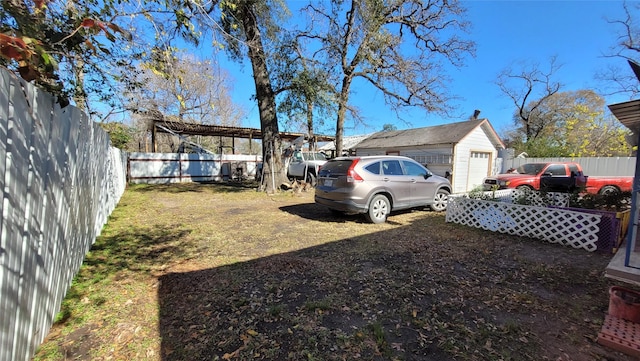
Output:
(60, 180)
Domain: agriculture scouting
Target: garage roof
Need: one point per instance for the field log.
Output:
(439, 134)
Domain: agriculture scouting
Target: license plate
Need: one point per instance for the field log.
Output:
(328, 182)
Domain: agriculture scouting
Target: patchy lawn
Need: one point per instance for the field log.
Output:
(214, 272)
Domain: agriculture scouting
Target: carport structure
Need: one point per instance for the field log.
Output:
(185, 128)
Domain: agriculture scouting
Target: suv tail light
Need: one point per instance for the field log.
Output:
(352, 175)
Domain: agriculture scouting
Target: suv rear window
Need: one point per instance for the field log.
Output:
(335, 168)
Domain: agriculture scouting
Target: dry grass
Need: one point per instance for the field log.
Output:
(213, 272)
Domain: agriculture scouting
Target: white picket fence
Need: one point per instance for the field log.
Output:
(60, 180)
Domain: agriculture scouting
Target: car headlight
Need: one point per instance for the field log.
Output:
(503, 183)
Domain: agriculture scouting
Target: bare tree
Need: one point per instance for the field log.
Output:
(618, 78)
(186, 89)
(529, 88)
(575, 125)
(398, 47)
(183, 89)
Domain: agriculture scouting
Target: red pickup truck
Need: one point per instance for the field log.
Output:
(557, 177)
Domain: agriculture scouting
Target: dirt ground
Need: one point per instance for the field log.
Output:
(212, 272)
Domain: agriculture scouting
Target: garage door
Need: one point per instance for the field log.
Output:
(478, 169)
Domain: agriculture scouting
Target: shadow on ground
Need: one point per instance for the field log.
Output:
(313, 211)
(418, 292)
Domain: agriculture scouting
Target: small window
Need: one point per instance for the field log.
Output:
(480, 155)
(373, 168)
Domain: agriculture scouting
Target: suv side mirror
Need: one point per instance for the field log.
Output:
(427, 175)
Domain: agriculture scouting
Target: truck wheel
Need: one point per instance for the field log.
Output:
(524, 188)
(379, 209)
(608, 190)
(440, 201)
(311, 179)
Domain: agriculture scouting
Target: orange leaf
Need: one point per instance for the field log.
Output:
(12, 47)
(10, 52)
(88, 23)
(39, 3)
(13, 41)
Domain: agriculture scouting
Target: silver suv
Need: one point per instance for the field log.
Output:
(377, 185)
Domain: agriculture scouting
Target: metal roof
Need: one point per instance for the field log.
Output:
(628, 113)
(348, 142)
(185, 128)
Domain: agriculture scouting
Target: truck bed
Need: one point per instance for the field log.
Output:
(608, 184)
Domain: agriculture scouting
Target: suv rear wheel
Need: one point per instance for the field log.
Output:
(379, 209)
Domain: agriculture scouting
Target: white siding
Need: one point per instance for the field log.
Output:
(475, 141)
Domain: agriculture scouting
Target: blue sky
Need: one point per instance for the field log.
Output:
(505, 32)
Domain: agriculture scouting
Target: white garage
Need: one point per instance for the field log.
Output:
(463, 151)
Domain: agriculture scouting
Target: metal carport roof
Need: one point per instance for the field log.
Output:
(185, 128)
(628, 113)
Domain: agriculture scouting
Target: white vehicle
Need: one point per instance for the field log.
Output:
(305, 166)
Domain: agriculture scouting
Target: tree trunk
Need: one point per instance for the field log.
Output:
(273, 168)
(342, 112)
(79, 97)
(312, 139)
